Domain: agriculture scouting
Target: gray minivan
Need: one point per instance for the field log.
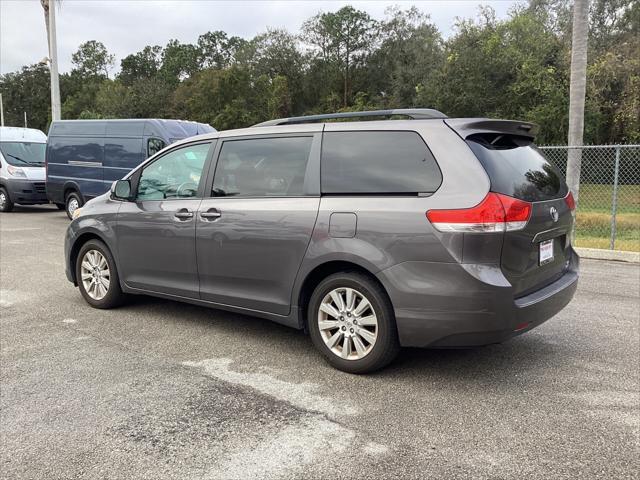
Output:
(84, 157)
(370, 235)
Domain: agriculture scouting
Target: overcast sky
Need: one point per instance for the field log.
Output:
(127, 26)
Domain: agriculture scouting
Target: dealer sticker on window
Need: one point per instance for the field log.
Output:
(546, 251)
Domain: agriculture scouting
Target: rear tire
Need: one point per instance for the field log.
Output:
(354, 339)
(73, 201)
(97, 276)
(6, 205)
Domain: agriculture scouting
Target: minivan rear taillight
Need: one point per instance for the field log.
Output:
(571, 203)
(496, 213)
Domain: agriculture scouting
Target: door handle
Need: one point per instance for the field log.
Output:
(211, 214)
(183, 214)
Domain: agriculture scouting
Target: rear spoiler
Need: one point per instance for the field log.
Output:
(465, 127)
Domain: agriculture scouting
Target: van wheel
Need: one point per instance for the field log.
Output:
(97, 276)
(6, 205)
(72, 203)
(61, 206)
(351, 322)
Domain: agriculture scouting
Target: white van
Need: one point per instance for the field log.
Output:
(22, 167)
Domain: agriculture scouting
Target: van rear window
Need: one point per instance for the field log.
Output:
(517, 168)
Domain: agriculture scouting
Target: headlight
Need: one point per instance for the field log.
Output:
(16, 171)
(76, 213)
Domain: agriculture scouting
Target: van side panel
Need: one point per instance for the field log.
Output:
(89, 155)
(75, 162)
(121, 155)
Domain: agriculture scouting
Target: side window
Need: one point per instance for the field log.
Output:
(262, 167)
(174, 175)
(154, 145)
(377, 162)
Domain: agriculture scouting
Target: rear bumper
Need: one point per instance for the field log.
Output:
(462, 305)
(27, 192)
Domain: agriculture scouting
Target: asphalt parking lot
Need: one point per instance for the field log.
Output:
(157, 389)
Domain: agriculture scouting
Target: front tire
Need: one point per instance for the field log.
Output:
(73, 202)
(97, 276)
(351, 322)
(6, 205)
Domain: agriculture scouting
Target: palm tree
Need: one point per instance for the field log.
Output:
(577, 89)
(45, 7)
(53, 62)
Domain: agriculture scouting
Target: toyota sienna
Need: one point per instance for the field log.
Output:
(425, 231)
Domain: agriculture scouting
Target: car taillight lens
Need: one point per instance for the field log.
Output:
(496, 213)
(571, 203)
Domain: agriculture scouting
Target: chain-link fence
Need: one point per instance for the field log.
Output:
(608, 213)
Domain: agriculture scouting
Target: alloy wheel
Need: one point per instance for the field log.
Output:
(348, 323)
(95, 274)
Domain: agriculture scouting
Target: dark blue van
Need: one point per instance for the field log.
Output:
(84, 157)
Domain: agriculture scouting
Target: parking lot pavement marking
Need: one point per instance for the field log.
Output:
(301, 395)
(316, 438)
(19, 229)
(287, 452)
(9, 298)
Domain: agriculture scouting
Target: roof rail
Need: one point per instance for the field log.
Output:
(413, 113)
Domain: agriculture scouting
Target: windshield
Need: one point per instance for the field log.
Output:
(23, 154)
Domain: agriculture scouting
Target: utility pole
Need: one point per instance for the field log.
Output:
(1, 112)
(577, 90)
(25, 119)
(53, 63)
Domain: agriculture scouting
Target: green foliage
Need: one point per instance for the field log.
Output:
(92, 60)
(141, 65)
(517, 68)
(27, 91)
(344, 38)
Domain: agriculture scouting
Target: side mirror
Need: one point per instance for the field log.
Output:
(121, 190)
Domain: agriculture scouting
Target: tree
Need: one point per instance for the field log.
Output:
(577, 92)
(92, 60)
(45, 8)
(179, 61)
(142, 65)
(217, 50)
(276, 55)
(409, 56)
(26, 91)
(346, 36)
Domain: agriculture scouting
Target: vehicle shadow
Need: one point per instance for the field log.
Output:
(523, 357)
(35, 209)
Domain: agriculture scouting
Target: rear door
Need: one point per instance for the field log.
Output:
(538, 254)
(253, 230)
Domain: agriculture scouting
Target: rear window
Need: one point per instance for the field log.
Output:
(377, 162)
(517, 168)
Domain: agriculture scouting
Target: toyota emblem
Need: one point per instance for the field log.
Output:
(554, 214)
